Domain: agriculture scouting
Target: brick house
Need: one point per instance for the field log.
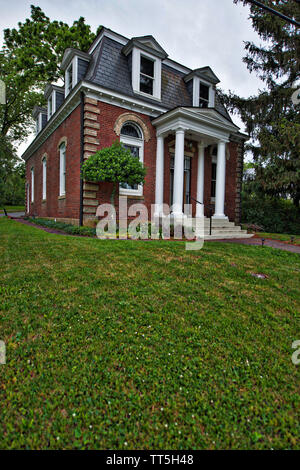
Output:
(168, 115)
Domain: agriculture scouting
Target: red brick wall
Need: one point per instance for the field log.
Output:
(107, 118)
(53, 206)
(70, 128)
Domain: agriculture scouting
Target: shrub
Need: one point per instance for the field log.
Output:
(273, 215)
(67, 228)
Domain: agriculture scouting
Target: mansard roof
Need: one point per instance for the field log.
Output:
(110, 68)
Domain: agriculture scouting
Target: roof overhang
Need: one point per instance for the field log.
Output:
(50, 88)
(203, 123)
(205, 73)
(38, 110)
(147, 44)
(93, 91)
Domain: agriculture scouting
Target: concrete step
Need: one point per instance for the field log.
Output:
(225, 237)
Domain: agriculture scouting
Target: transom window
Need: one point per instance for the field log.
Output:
(203, 96)
(132, 139)
(147, 75)
(131, 130)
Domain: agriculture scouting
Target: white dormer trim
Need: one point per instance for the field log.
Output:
(74, 65)
(196, 92)
(39, 123)
(136, 70)
(52, 99)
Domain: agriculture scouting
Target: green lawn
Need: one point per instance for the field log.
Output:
(143, 345)
(280, 236)
(12, 209)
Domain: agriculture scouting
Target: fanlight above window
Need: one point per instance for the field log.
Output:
(131, 130)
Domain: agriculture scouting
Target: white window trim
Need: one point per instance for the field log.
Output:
(196, 92)
(32, 184)
(52, 98)
(44, 164)
(74, 65)
(136, 71)
(62, 169)
(39, 123)
(136, 142)
(27, 198)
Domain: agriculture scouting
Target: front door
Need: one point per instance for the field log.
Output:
(186, 181)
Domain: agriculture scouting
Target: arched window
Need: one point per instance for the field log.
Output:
(132, 138)
(131, 130)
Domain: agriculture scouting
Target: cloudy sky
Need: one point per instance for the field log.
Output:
(193, 32)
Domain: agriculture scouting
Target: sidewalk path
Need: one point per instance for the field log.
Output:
(14, 214)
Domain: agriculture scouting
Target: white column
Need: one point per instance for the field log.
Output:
(220, 183)
(200, 181)
(178, 174)
(159, 181)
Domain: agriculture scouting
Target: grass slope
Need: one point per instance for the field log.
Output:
(11, 209)
(143, 345)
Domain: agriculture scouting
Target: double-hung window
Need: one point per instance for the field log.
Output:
(147, 75)
(32, 184)
(44, 164)
(132, 139)
(203, 96)
(62, 169)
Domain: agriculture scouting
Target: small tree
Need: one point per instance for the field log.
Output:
(116, 165)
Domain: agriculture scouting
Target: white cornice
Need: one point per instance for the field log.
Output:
(124, 101)
(71, 102)
(209, 124)
(93, 91)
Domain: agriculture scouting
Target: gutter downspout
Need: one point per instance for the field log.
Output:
(81, 155)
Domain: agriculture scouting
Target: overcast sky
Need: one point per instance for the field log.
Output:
(195, 33)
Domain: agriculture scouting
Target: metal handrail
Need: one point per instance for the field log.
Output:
(210, 212)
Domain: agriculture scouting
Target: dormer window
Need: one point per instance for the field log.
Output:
(40, 116)
(145, 56)
(147, 75)
(204, 96)
(201, 85)
(75, 64)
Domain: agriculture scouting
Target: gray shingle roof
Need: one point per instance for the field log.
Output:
(110, 68)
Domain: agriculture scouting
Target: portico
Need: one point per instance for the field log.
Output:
(206, 127)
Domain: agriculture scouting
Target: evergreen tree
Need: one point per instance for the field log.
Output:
(271, 117)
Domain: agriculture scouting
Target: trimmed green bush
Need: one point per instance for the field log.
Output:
(67, 228)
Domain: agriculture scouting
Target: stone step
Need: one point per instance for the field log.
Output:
(225, 237)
